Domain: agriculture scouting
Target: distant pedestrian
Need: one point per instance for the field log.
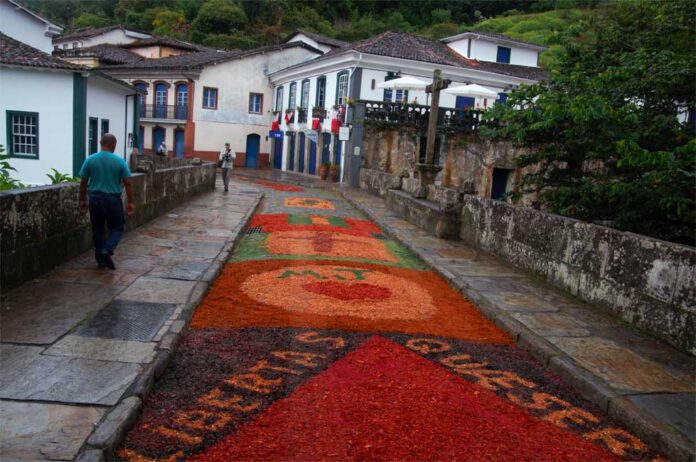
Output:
(162, 149)
(225, 161)
(102, 175)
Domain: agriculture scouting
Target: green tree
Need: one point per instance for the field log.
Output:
(229, 41)
(603, 137)
(219, 17)
(170, 23)
(89, 20)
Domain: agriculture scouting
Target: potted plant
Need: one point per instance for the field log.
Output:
(324, 170)
(334, 170)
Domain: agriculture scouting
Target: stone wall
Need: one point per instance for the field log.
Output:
(42, 227)
(648, 282)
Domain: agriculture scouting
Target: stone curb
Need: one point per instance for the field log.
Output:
(591, 387)
(109, 433)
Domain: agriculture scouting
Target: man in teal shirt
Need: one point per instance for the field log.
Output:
(102, 175)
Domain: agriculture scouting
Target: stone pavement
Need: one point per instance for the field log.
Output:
(643, 383)
(80, 347)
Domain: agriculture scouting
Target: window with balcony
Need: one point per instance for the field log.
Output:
(181, 101)
(23, 134)
(255, 103)
(321, 91)
(160, 100)
(342, 88)
(210, 98)
(292, 96)
(304, 97)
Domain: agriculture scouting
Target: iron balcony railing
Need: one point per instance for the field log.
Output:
(416, 116)
(302, 115)
(161, 111)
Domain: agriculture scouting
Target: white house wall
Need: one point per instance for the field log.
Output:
(107, 100)
(21, 26)
(235, 80)
(51, 95)
(484, 50)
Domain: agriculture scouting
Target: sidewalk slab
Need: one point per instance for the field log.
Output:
(40, 431)
(606, 361)
(78, 344)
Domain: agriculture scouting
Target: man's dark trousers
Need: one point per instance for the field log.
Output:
(106, 209)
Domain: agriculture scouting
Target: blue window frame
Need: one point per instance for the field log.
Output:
(342, 88)
(304, 94)
(255, 103)
(181, 101)
(387, 95)
(210, 98)
(321, 91)
(503, 55)
(292, 96)
(104, 126)
(279, 99)
(401, 95)
(23, 134)
(502, 98)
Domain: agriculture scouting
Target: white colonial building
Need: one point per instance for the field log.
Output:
(312, 98)
(53, 112)
(198, 101)
(91, 36)
(23, 24)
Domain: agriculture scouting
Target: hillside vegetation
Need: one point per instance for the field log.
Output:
(250, 23)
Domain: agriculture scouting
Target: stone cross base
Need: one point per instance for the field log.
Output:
(425, 176)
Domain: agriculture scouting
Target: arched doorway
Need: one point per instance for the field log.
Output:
(278, 153)
(252, 151)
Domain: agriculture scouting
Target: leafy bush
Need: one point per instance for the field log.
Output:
(58, 177)
(603, 135)
(6, 181)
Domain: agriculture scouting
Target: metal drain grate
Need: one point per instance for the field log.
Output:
(127, 320)
(253, 230)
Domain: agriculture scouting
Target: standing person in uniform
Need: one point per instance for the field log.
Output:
(103, 174)
(225, 161)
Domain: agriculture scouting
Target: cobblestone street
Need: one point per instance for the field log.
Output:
(325, 339)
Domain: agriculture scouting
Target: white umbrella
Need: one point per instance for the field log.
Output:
(404, 83)
(471, 90)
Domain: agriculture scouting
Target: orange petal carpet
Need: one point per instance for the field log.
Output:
(323, 339)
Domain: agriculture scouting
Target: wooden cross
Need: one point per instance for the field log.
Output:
(434, 88)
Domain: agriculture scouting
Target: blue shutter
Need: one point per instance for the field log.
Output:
(503, 55)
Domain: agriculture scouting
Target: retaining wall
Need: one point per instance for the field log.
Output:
(648, 282)
(42, 227)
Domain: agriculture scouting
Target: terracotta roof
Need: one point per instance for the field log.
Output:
(492, 35)
(197, 60)
(16, 53)
(323, 39)
(87, 32)
(166, 41)
(105, 53)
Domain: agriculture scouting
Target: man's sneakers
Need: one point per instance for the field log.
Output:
(104, 260)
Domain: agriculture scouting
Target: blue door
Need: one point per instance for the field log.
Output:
(179, 143)
(291, 152)
(278, 153)
(337, 151)
(157, 138)
(312, 170)
(326, 143)
(301, 153)
(252, 151)
(141, 139)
